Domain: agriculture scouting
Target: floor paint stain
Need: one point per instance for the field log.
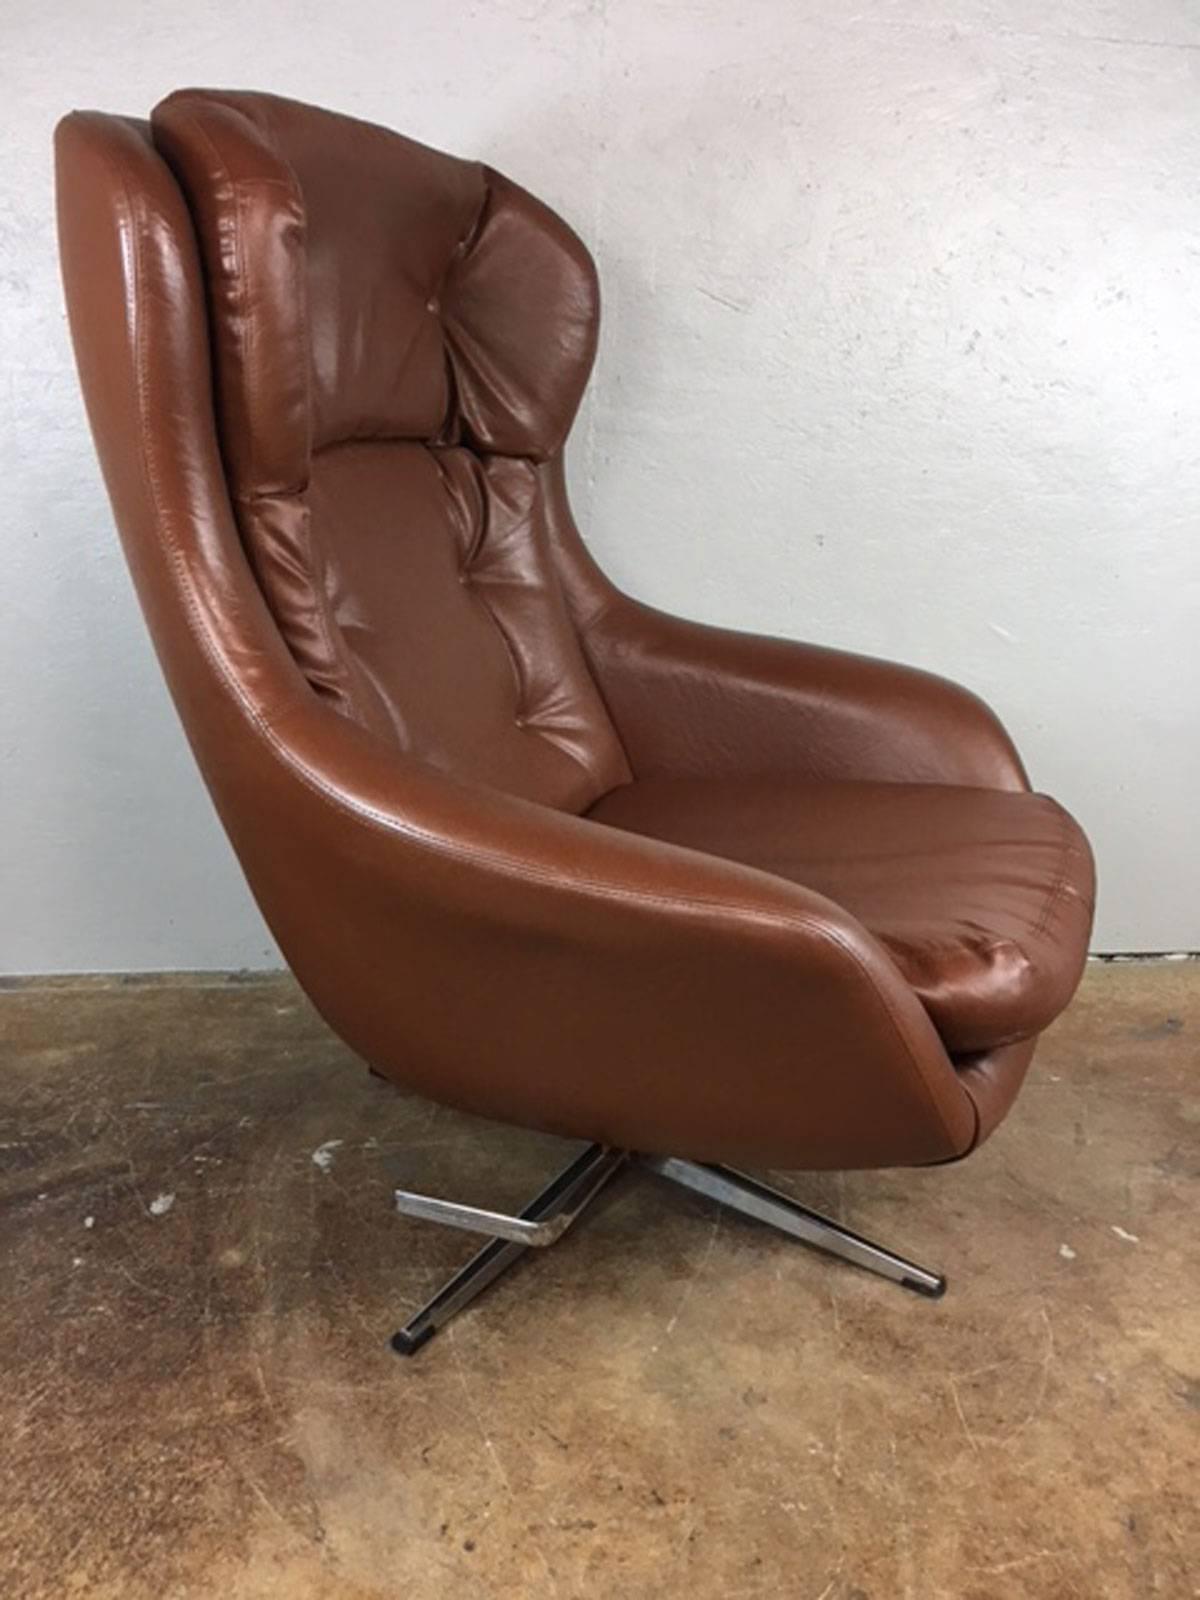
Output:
(323, 1155)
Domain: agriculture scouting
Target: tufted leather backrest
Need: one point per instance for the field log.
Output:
(400, 340)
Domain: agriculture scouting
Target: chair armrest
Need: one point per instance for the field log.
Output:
(690, 700)
(529, 965)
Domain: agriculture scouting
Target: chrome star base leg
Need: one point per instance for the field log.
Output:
(548, 1217)
(544, 1220)
(754, 1199)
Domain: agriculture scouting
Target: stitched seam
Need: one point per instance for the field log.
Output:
(239, 284)
(530, 721)
(465, 244)
(586, 764)
(588, 624)
(334, 639)
(244, 301)
(478, 540)
(1060, 883)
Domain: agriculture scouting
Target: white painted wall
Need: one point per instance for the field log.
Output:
(902, 320)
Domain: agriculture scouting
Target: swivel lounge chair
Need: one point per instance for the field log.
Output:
(532, 848)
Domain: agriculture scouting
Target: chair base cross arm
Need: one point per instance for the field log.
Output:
(545, 1219)
(551, 1213)
(754, 1199)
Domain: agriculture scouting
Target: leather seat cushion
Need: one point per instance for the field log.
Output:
(983, 898)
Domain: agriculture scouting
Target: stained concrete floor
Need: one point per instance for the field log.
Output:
(201, 1274)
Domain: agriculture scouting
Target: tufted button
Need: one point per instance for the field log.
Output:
(520, 721)
(433, 304)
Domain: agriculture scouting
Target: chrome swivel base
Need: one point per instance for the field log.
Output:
(552, 1212)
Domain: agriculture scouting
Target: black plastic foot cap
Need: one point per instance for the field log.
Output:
(407, 1344)
(931, 1291)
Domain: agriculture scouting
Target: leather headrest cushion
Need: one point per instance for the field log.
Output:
(363, 286)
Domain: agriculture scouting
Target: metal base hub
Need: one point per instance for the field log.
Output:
(551, 1213)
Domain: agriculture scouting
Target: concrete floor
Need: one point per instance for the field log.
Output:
(199, 1398)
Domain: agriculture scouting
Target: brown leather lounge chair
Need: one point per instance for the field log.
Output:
(533, 849)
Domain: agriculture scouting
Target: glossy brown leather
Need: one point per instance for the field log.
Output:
(983, 898)
(416, 851)
(400, 338)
